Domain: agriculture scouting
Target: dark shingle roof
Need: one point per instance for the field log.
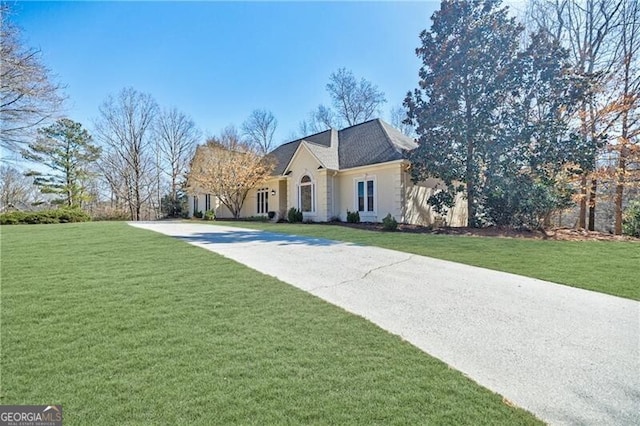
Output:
(285, 152)
(371, 142)
(283, 155)
(322, 138)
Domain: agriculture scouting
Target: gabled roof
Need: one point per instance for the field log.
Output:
(371, 142)
(326, 155)
(283, 155)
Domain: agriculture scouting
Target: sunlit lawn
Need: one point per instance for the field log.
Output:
(126, 326)
(611, 267)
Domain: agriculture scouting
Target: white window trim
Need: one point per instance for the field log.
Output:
(365, 179)
(312, 184)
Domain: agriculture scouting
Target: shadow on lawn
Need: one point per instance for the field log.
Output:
(231, 237)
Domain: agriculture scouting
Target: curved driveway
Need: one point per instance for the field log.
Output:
(568, 355)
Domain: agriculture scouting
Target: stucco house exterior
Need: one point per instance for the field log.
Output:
(360, 168)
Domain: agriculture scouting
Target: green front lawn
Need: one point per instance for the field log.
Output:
(604, 266)
(126, 326)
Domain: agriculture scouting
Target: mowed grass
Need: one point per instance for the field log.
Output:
(125, 326)
(611, 267)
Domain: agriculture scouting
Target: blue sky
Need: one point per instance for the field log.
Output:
(217, 61)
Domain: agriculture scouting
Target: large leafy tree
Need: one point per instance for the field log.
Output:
(228, 168)
(535, 153)
(465, 76)
(492, 118)
(66, 149)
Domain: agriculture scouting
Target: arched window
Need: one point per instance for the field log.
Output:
(306, 195)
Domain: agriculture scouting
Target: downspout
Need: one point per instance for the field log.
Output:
(333, 194)
(403, 195)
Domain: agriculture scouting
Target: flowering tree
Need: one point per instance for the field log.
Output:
(229, 169)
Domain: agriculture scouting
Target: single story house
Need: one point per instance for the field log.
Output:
(360, 168)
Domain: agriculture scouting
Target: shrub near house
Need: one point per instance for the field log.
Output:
(389, 223)
(631, 220)
(294, 215)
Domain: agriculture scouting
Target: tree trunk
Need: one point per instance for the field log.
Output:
(137, 200)
(584, 131)
(471, 211)
(592, 204)
(174, 195)
(619, 193)
(236, 210)
(470, 207)
(582, 218)
(628, 104)
(620, 173)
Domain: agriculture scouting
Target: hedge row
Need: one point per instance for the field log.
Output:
(44, 216)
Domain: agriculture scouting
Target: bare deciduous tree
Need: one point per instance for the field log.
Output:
(319, 120)
(16, 189)
(587, 29)
(324, 118)
(627, 107)
(354, 102)
(398, 116)
(28, 96)
(176, 136)
(124, 128)
(259, 129)
(114, 172)
(229, 169)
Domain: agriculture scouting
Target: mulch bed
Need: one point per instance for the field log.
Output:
(561, 234)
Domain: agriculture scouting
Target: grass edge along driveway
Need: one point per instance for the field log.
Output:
(609, 267)
(126, 326)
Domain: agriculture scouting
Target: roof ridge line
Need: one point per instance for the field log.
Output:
(314, 143)
(308, 136)
(358, 124)
(387, 136)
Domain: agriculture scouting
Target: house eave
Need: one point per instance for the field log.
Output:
(384, 164)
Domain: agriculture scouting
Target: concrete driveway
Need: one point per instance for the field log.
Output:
(568, 355)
